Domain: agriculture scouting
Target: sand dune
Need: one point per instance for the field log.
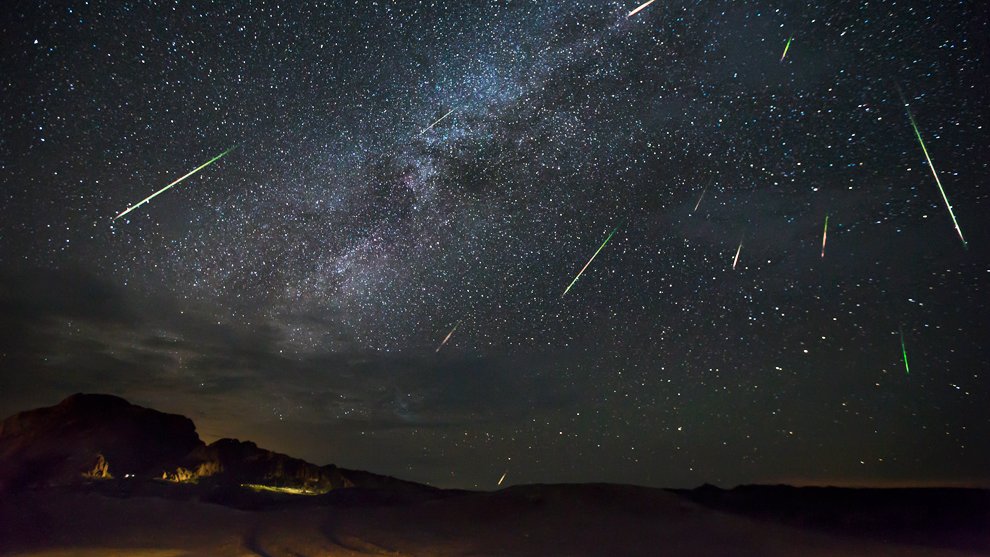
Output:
(524, 520)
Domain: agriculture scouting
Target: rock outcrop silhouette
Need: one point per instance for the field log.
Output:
(90, 436)
(93, 437)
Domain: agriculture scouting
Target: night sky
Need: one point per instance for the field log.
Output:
(296, 291)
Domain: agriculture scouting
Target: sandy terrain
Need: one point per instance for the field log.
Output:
(524, 520)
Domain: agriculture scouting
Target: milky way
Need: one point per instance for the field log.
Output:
(407, 166)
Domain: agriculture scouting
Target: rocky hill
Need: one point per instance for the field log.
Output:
(88, 437)
(93, 437)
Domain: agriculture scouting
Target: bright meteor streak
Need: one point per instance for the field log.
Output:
(502, 479)
(736, 260)
(904, 353)
(440, 119)
(154, 195)
(786, 46)
(917, 133)
(698, 204)
(640, 8)
(589, 262)
(824, 235)
(450, 334)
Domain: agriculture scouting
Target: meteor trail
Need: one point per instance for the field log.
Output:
(502, 479)
(786, 46)
(904, 352)
(824, 235)
(917, 133)
(589, 261)
(640, 8)
(736, 260)
(698, 204)
(197, 169)
(446, 338)
(440, 119)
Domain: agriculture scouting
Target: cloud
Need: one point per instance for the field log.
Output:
(69, 331)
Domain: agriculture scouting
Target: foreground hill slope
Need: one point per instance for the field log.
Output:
(537, 520)
(95, 475)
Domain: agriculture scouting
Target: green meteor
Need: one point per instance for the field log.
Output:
(904, 353)
(786, 46)
(589, 261)
(154, 195)
(917, 134)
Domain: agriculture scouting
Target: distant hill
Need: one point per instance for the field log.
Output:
(91, 437)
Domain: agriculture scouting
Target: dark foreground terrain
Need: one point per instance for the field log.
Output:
(65, 491)
(522, 520)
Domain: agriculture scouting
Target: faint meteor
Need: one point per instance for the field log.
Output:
(640, 8)
(589, 261)
(907, 369)
(451, 333)
(154, 195)
(917, 133)
(440, 119)
(502, 479)
(824, 235)
(698, 204)
(786, 46)
(736, 260)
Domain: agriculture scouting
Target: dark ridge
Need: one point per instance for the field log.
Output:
(89, 436)
(957, 518)
(95, 438)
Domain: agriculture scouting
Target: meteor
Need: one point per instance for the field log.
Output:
(502, 479)
(640, 8)
(907, 370)
(736, 260)
(589, 261)
(824, 235)
(786, 46)
(440, 119)
(917, 133)
(451, 333)
(698, 204)
(154, 195)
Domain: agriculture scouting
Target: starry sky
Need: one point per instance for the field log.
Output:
(296, 291)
